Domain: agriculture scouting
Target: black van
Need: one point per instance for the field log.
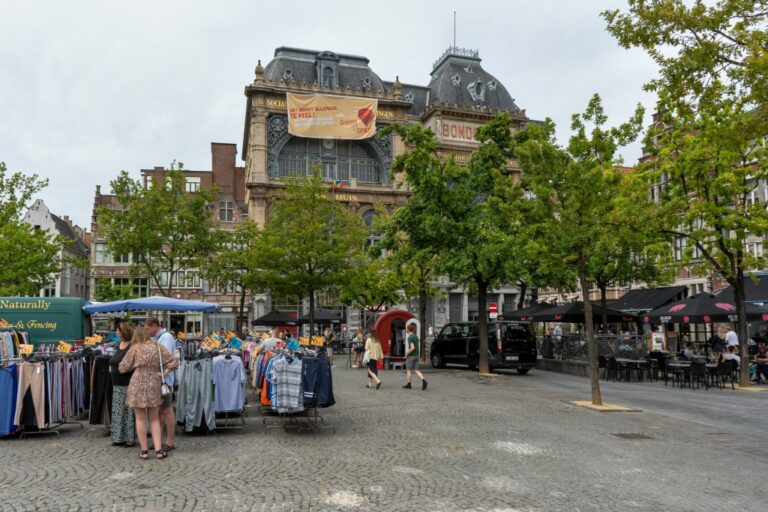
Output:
(510, 345)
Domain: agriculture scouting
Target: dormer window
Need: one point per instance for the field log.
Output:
(329, 77)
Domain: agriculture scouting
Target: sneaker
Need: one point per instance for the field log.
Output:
(424, 385)
(407, 386)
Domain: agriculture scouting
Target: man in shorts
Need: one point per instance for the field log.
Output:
(412, 358)
(167, 412)
(330, 339)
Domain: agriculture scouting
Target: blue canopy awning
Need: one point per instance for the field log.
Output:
(150, 304)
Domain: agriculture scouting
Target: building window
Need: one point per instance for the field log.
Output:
(226, 211)
(680, 244)
(345, 160)
(755, 249)
(101, 256)
(193, 184)
(48, 291)
(456, 307)
(329, 77)
(123, 258)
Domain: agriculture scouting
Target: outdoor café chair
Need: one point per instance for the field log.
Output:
(602, 364)
(698, 373)
(612, 369)
(644, 368)
(723, 373)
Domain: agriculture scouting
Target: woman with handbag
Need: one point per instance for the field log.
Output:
(150, 362)
(373, 354)
(123, 429)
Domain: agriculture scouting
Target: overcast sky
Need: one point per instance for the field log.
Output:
(90, 88)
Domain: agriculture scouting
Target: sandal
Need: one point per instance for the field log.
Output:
(144, 454)
(161, 454)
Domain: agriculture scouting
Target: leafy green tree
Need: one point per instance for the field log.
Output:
(461, 214)
(106, 291)
(311, 242)
(633, 248)
(235, 264)
(375, 284)
(29, 257)
(164, 227)
(707, 151)
(572, 192)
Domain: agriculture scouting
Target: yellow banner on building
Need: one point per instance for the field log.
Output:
(320, 116)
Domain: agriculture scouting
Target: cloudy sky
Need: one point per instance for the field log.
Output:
(90, 88)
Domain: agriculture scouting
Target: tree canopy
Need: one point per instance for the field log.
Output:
(29, 257)
(574, 205)
(311, 242)
(163, 227)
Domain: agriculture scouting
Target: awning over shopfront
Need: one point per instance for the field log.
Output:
(150, 304)
(527, 314)
(640, 301)
(573, 312)
(755, 291)
(323, 316)
(274, 318)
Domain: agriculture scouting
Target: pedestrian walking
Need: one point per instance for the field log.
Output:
(374, 354)
(144, 359)
(412, 358)
(123, 429)
(167, 412)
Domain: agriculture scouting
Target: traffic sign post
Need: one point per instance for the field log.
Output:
(493, 309)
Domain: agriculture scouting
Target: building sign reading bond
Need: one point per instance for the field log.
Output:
(321, 116)
(457, 131)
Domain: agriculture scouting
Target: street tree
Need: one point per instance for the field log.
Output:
(29, 257)
(311, 242)
(572, 192)
(234, 263)
(707, 151)
(164, 227)
(460, 214)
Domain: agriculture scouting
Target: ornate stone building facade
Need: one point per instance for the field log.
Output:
(460, 97)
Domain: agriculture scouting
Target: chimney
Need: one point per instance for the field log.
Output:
(98, 190)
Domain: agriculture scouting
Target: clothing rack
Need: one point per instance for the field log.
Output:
(48, 356)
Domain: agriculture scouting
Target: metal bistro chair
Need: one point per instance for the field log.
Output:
(723, 373)
(698, 373)
(602, 364)
(612, 369)
(645, 368)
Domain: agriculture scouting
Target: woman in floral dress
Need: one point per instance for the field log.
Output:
(143, 358)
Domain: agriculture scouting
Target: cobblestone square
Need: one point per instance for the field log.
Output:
(509, 443)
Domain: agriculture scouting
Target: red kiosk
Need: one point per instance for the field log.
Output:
(391, 330)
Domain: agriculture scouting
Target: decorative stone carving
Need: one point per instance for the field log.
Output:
(288, 74)
(397, 88)
(492, 85)
(366, 82)
(409, 96)
(477, 90)
(382, 148)
(277, 136)
(259, 72)
(456, 80)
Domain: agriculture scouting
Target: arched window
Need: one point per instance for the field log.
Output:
(329, 77)
(342, 159)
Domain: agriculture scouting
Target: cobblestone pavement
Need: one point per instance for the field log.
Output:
(510, 443)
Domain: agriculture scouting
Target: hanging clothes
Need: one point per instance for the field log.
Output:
(195, 405)
(9, 387)
(229, 383)
(286, 390)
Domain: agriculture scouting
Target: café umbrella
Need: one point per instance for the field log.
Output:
(573, 313)
(703, 308)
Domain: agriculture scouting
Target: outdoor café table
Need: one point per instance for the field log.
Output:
(629, 364)
(686, 365)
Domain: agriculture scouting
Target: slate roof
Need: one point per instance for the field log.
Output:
(755, 292)
(300, 64)
(66, 231)
(458, 78)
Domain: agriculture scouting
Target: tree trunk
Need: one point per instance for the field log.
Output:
(604, 305)
(523, 289)
(423, 321)
(242, 317)
(312, 314)
(482, 326)
(739, 297)
(597, 399)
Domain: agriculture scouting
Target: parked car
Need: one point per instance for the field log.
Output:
(510, 345)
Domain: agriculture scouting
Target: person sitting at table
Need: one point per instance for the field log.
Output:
(761, 360)
(732, 354)
(689, 352)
